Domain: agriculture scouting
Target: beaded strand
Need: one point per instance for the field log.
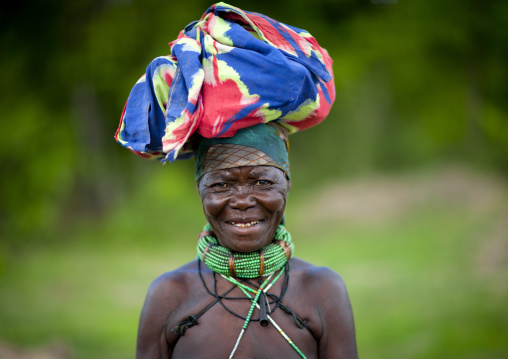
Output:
(254, 302)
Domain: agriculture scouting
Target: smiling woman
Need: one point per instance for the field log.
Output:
(236, 84)
(244, 205)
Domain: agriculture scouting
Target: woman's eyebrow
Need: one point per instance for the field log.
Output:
(262, 173)
(219, 177)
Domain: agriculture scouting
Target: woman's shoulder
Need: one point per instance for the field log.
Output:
(167, 296)
(311, 274)
(173, 286)
(323, 282)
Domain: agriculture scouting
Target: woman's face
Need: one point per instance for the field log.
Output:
(244, 205)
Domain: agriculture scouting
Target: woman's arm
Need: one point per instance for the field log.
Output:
(159, 304)
(338, 338)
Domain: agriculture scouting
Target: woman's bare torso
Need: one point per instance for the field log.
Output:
(316, 295)
(217, 330)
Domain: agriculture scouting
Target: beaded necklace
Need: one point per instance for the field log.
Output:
(245, 265)
(266, 261)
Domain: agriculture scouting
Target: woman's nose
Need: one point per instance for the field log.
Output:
(242, 200)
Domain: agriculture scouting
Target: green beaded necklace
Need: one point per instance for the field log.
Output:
(249, 265)
(245, 265)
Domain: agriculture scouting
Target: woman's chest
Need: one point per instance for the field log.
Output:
(218, 334)
(222, 328)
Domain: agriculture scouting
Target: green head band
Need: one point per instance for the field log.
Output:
(263, 144)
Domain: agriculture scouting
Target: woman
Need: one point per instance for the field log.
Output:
(234, 86)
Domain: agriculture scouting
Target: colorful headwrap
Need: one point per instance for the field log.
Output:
(230, 70)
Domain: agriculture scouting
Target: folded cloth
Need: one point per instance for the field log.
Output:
(230, 70)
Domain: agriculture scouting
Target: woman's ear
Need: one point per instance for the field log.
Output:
(198, 184)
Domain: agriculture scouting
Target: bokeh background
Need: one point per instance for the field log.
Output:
(402, 190)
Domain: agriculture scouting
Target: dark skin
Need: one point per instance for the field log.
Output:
(244, 205)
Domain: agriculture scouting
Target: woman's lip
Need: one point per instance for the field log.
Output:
(244, 224)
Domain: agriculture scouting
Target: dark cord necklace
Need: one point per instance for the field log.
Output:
(219, 298)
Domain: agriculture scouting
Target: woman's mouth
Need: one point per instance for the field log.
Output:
(244, 224)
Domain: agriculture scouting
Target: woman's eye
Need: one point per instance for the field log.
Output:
(262, 183)
(220, 185)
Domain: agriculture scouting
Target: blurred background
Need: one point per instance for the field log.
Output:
(402, 190)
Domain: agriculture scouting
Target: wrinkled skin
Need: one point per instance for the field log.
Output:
(244, 205)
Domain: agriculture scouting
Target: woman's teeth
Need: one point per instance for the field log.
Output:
(244, 225)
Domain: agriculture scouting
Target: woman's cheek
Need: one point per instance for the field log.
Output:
(275, 202)
(212, 205)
